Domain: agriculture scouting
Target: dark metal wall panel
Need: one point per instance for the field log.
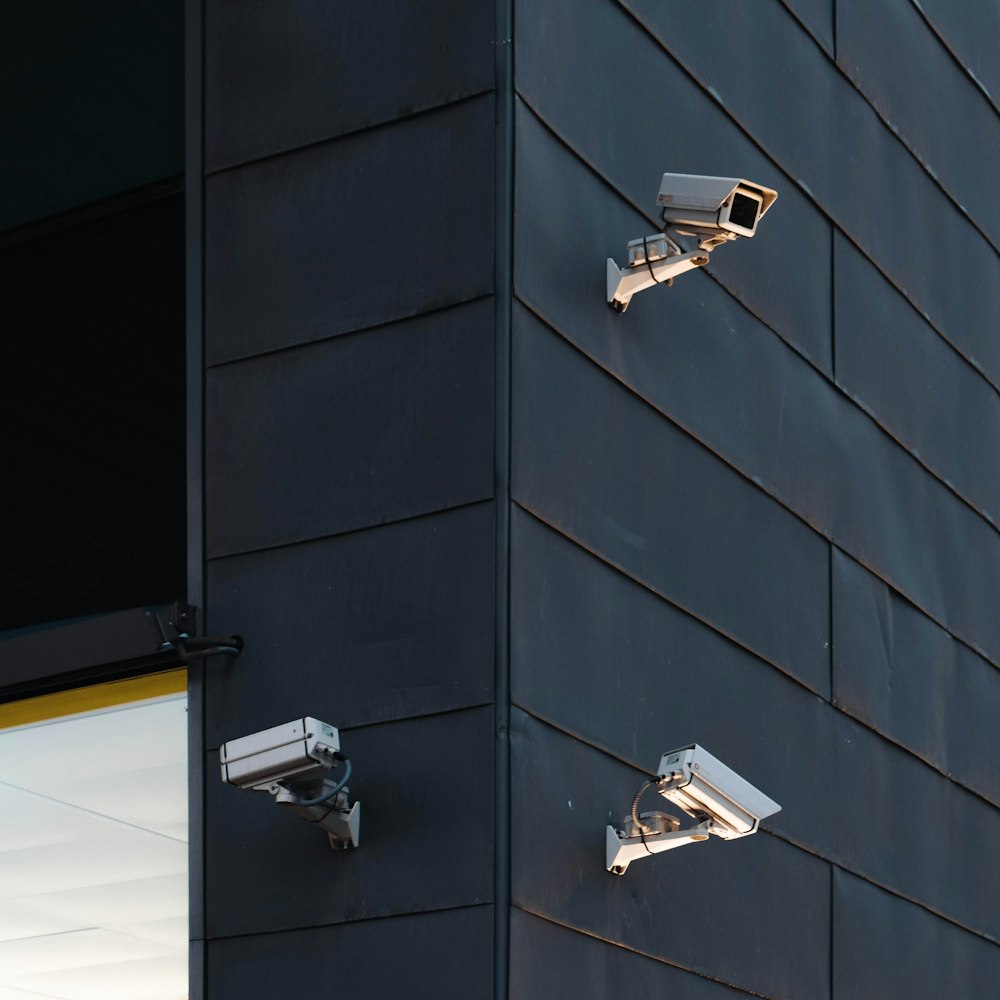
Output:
(194, 468)
(892, 57)
(633, 114)
(354, 232)
(549, 961)
(281, 75)
(908, 828)
(431, 956)
(392, 622)
(928, 397)
(695, 354)
(842, 152)
(606, 660)
(897, 671)
(426, 793)
(196, 967)
(601, 465)
(350, 335)
(816, 15)
(754, 914)
(888, 948)
(971, 31)
(698, 447)
(351, 431)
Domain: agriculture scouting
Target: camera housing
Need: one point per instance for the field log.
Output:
(722, 803)
(298, 749)
(728, 206)
(707, 790)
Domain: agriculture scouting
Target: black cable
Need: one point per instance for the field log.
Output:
(198, 647)
(636, 822)
(198, 641)
(649, 264)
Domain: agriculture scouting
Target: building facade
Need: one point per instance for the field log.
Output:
(516, 545)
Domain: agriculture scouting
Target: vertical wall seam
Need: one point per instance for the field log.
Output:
(194, 86)
(503, 289)
(832, 936)
(833, 377)
(833, 304)
(829, 584)
(195, 301)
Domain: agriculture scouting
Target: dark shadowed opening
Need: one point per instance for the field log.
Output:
(93, 408)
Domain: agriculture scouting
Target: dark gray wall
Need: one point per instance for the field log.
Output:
(757, 511)
(350, 520)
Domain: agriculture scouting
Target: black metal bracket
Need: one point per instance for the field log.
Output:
(178, 634)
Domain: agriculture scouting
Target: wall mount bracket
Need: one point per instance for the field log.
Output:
(652, 260)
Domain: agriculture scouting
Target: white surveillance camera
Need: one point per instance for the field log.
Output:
(707, 790)
(711, 210)
(727, 207)
(295, 750)
(291, 762)
(722, 803)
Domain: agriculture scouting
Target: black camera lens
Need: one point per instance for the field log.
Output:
(744, 211)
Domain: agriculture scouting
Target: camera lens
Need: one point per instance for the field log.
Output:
(744, 211)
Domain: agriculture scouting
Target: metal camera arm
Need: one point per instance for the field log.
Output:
(329, 807)
(656, 832)
(652, 260)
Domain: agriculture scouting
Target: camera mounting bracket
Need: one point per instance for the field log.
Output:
(340, 820)
(657, 832)
(648, 267)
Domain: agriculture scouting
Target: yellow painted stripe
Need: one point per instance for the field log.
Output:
(92, 698)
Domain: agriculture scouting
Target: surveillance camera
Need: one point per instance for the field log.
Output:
(723, 804)
(718, 208)
(707, 790)
(297, 749)
(291, 762)
(712, 210)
